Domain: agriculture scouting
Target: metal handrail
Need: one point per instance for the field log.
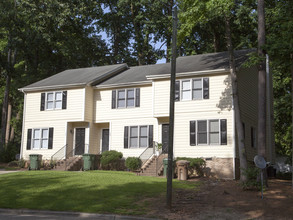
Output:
(68, 163)
(60, 158)
(146, 153)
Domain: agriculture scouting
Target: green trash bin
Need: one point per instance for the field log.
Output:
(35, 161)
(165, 162)
(88, 161)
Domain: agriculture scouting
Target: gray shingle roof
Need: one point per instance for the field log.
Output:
(203, 62)
(121, 74)
(77, 77)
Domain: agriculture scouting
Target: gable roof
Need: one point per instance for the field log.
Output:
(120, 74)
(210, 62)
(76, 77)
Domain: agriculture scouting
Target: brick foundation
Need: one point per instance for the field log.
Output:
(221, 168)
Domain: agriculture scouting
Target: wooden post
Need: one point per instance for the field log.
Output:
(171, 112)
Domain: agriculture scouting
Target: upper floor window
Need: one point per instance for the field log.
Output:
(53, 100)
(126, 98)
(192, 89)
(208, 132)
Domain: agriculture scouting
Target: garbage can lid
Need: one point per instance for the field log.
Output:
(182, 162)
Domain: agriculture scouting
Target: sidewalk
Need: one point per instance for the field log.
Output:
(14, 214)
(8, 171)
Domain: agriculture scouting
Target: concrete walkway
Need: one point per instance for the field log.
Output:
(9, 171)
(15, 214)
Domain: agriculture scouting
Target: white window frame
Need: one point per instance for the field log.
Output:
(138, 136)
(53, 101)
(126, 98)
(40, 139)
(219, 132)
(191, 89)
(208, 132)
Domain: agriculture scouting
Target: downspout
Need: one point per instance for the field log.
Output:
(23, 122)
(269, 119)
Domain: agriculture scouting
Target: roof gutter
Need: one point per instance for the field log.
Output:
(204, 72)
(33, 89)
(116, 85)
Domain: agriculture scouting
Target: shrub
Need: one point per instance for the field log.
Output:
(252, 181)
(133, 163)
(110, 160)
(9, 151)
(196, 164)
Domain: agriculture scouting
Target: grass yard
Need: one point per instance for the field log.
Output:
(91, 191)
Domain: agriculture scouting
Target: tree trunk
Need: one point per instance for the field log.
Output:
(292, 112)
(8, 123)
(12, 133)
(239, 127)
(168, 33)
(261, 141)
(5, 111)
(137, 35)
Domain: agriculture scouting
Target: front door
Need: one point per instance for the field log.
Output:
(79, 141)
(105, 140)
(165, 138)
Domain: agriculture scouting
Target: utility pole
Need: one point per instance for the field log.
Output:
(171, 111)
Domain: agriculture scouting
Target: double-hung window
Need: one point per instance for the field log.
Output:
(138, 136)
(126, 98)
(40, 138)
(53, 100)
(208, 132)
(192, 89)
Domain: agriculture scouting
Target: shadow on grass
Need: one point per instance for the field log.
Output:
(94, 191)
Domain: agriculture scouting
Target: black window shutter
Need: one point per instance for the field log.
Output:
(223, 132)
(43, 97)
(137, 97)
(151, 135)
(126, 137)
(177, 90)
(51, 131)
(206, 85)
(29, 139)
(192, 133)
(113, 98)
(64, 99)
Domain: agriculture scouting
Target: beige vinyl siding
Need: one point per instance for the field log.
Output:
(219, 97)
(89, 104)
(104, 111)
(247, 87)
(96, 137)
(182, 146)
(57, 119)
(59, 138)
(73, 111)
(117, 135)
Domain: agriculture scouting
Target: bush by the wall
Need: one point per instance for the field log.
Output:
(9, 151)
(110, 160)
(196, 164)
(133, 163)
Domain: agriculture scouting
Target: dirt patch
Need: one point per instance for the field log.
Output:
(220, 199)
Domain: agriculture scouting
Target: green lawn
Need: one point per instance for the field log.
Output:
(91, 191)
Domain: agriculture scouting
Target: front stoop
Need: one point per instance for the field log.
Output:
(70, 164)
(152, 165)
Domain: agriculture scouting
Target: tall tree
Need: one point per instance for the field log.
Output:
(261, 128)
